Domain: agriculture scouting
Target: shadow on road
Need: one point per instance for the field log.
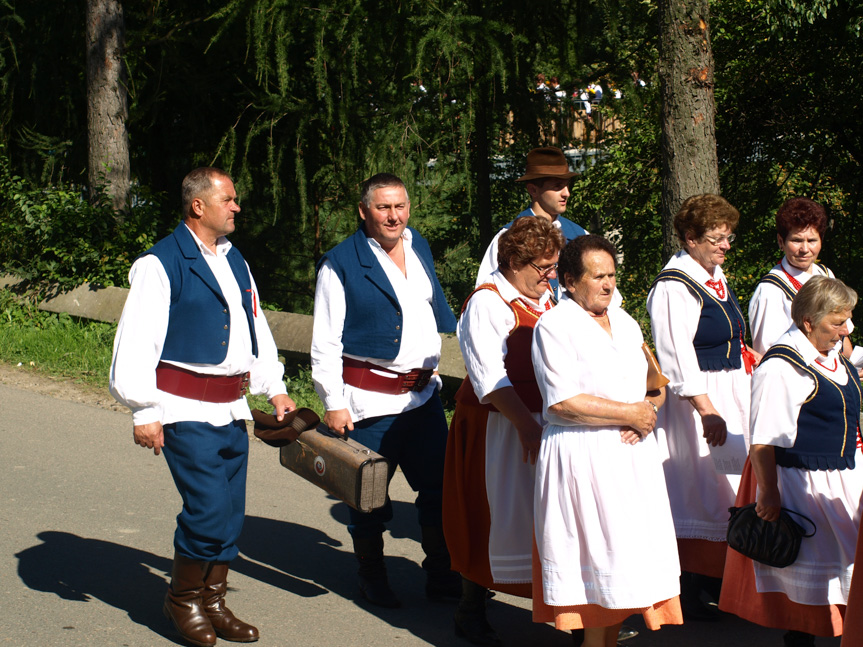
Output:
(79, 569)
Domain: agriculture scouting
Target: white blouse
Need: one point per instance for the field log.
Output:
(573, 354)
(483, 329)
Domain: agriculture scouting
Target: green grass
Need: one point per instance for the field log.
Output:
(54, 344)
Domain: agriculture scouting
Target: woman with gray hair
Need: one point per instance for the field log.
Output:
(805, 422)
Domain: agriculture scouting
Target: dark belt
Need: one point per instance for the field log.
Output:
(360, 375)
(195, 386)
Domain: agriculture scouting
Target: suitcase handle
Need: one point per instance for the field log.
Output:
(326, 431)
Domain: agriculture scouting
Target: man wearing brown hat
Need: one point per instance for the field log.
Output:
(547, 183)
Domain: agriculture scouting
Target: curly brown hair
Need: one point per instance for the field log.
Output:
(528, 238)
(702, 212)
(800, 213)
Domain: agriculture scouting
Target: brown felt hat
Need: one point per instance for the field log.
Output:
(279, 434)
(547, 161)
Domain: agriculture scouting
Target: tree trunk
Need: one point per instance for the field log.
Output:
(689, 160)
(108, 141)
(481, 162)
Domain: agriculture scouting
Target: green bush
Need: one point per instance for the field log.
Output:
(51, 236)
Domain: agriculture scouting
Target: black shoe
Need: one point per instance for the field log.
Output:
(474, 628)
(798, 639)
(626, 632)
(693, 607)
(379, 593)
(696, 610)
(443, 586)
(469, 618)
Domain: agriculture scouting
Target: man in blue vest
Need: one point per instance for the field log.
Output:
(375, 350)
(546, 180)
(192, 340)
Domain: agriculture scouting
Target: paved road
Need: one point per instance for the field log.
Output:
(86, 521)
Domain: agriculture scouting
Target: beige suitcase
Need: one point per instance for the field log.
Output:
(341, 466)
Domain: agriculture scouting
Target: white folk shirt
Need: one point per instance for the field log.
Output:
(141, 337)
(420, 342)
(770, 309)
(483, 330)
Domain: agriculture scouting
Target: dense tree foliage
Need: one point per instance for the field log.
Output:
(301, 101)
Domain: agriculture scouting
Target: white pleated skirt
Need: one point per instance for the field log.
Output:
(832, 500)
(602, 520)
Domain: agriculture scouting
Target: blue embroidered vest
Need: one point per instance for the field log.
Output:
(828, 421)
(773, 279)
(373, 317)
(199, 320)
(720, 330)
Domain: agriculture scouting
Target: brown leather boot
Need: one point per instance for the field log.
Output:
(183, 603)
(226, 624)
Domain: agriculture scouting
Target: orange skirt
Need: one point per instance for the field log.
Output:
(702, 557)
(740, 597)
(466, 517)
(666, 612)
(853, 632)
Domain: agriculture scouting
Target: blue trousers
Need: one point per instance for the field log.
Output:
(415, 441)
(208, 464)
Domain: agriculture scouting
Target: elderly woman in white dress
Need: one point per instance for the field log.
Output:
(497, 426)
(599, 473)
(805, 418)
(698, 330)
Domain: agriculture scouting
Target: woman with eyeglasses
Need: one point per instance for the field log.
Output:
(800, 227)
(497, 426)
(698, 329)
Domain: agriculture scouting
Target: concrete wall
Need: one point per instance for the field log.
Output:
(292, 332)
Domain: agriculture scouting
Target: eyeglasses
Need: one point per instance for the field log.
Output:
(713, 240)
(544, 271)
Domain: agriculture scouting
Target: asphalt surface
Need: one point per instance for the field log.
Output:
(86, 526)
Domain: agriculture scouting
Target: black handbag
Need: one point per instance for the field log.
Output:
(774, 543)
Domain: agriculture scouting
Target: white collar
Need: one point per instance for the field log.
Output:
(510, 293)
(223, 245)
(685, 263)
(406, 237)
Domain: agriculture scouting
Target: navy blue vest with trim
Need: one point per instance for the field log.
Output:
(569, 229)
(774, 279)
(373, 317)
(199, 320)
(828, 421)
(720, 327)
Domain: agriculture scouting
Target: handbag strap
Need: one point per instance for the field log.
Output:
(803, 516)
